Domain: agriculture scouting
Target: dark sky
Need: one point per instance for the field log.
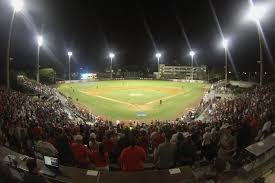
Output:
(134, 31)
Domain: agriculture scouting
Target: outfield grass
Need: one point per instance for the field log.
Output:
(136, 99)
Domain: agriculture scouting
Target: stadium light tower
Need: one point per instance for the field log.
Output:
(17, 6)
(158, 55)
(256, 13)
(225, 46)
(192, 54)
(111, 55)
(69, 73)
(40, 42)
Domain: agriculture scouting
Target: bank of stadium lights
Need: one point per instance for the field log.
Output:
(17, 6)
(192, 54)
(225, 46)
(40, 42)
(256, 12)
(111, 55)
(70, 54)
(158, 55)
(225, 43)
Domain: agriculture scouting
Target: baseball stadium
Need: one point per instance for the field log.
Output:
(137, 91)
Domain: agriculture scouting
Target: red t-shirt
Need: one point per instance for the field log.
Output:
(100, 161)
(158, 140)
(37, 131)
(255, 124)
(132, 158)
(109, 146)
(81, 154)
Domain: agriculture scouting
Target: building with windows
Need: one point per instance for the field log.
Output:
(183, 72)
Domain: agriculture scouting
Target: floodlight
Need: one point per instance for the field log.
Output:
(111, 55)
(40, 40)
(17, 5)
(225, 43)
(192, 53)
(257, 12)
(158, 55)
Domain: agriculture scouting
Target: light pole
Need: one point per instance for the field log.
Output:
(17, 6)
(69, 73)
(225, 46)
(192, 54)
(256, 13)
(40, 41)
(111, 55)
(158, 55)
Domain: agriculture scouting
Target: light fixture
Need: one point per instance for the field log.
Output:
(158, 55)
(17, 5)
(192, 53)
(225, 43)
(40, 40)
(111, 55)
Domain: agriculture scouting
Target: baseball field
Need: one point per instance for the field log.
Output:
(135, 99)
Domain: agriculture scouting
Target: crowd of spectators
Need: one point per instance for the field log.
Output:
(36, 127)
(33, 86)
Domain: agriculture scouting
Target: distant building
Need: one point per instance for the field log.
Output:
(183, 72)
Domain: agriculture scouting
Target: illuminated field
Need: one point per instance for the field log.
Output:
(135, 99)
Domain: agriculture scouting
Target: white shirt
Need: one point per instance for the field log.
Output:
(267, 126)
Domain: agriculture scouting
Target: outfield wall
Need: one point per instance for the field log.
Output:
(115, 79)
(186, 81)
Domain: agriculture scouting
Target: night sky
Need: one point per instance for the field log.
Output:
(134, 31)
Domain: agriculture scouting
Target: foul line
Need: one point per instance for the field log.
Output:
(164, 98)
(110, 99)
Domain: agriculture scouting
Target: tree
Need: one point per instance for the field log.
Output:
(47, 75)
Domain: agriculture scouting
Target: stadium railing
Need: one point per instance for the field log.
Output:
(262, 152)
(72, 174)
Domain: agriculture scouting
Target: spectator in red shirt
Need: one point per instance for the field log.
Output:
(158, 139)
(37, 131)
(132, 158)
(143, 140)
(101, 158)
(81, 153)
(109, 145)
